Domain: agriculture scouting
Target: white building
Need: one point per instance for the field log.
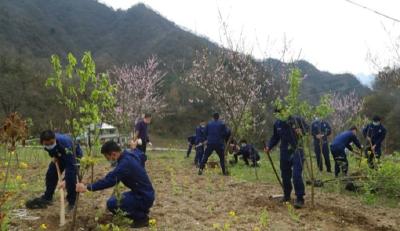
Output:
(106, 132)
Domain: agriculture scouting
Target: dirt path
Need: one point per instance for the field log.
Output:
(185, 201)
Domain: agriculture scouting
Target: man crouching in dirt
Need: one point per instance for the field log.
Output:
(130, 171)
(59, 146)
(248, 152)
(289, 133)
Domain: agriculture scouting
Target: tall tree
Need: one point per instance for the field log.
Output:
(86, 97)
(138, 91)
(346, 107)
(232, 81)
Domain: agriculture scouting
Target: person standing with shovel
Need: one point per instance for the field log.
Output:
(288, 133)
(59, 147)
(375, 133)
(321, 130)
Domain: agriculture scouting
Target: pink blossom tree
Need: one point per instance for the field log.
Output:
(138, 91)
(346, 108)
(232, 80)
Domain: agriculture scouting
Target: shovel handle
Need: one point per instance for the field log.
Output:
(274, 169)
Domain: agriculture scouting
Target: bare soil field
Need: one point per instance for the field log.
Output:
(186, 201)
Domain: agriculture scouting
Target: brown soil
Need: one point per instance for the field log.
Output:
(185, 201)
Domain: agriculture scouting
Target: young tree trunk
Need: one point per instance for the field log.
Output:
(7, 173)
(17, 159)
(321, 151)
(312, 171)
(226, 157)
(255, 167)
(73, 225)
(79, 177)
(92, 173)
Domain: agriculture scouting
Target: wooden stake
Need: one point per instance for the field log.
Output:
(62, 201)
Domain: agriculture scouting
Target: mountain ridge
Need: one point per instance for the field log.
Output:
(36, 29)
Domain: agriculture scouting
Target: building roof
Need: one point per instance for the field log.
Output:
(106, 126)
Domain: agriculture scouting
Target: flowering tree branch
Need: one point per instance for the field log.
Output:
(231, 80)
(345, 108)
(138, 91)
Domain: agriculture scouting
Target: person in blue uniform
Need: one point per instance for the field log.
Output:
(216, 133)
(200, 142)
(191, 141)
(60, 149)
(321, 130)
(288, 133)
(375, 134)
(248, 153)
(136, 202)
(141, 132)
(338, 146)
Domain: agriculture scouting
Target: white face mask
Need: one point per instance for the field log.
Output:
(243, 145)
(376, 123)
(50, 147)
(112, 162)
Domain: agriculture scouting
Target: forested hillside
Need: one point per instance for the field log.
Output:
(32, 30)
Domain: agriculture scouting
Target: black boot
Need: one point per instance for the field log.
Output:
(232, 162)
(299, 203)
(70, 208)
(255, 165)
(38, 203)
(140, 223)
(200, 172)
(285, 199)
(225, 173)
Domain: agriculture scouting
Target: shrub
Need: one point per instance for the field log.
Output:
(385, 180)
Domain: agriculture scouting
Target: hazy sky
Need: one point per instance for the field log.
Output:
(332, 34)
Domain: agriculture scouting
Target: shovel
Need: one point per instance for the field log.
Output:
(316, 183)
(274, 169)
